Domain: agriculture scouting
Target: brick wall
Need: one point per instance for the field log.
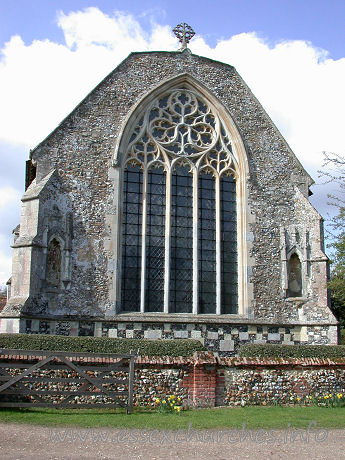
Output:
(209, 380)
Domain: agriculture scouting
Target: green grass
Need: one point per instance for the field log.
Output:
(254, 417)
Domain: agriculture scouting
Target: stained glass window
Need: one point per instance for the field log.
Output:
(181, 252)
(229, 244)
(207, 244)
(179, 212)
(155, 240)
(131, 237)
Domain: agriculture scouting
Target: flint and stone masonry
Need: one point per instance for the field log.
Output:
(168, 205)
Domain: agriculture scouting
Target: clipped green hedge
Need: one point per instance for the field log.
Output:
(342, 336)
(146, 347)
(292, 351)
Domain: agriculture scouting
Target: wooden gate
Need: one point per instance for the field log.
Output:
(66, 379)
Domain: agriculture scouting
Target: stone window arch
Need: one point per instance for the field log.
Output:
(182, 175)
(295, 285)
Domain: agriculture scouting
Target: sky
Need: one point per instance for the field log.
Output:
(291, 53)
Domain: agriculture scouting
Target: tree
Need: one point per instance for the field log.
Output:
(335, 173)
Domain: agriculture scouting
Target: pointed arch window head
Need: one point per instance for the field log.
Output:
(180, 228)
(182, 124)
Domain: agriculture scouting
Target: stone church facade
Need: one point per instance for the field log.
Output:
(168, 205)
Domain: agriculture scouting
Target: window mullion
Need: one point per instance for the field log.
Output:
(195, 241)
(218, 248)
(143, 243)
(167, 241)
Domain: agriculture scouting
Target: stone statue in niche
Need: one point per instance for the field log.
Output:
(294, 276)
(53, 271)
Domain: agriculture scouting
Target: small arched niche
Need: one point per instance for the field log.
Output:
(294, 276)
(54, 258)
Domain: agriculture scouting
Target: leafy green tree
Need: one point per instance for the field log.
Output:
(335, 173)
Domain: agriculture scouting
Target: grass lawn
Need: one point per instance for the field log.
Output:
(254, 417)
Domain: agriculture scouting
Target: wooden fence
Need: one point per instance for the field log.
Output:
(66, 379)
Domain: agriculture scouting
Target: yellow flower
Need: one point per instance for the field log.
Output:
(173, 401)
(310, 397)
(178, 399)
(330, 395)
(157, 401)
(164, 401)
(298, 399)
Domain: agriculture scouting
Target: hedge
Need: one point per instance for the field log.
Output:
(342, 336)
(179, 347)
(292, 351)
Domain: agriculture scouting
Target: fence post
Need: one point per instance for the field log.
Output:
(130, 385)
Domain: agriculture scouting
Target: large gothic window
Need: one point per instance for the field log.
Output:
(179, 223)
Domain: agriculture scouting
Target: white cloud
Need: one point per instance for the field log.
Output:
(41, 82)
(299, 87)
(8, 196)
(9, 200)
(5, 261)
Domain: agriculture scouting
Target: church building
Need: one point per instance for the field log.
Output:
(168, 205)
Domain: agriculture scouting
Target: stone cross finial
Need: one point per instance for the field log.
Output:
(184, 33)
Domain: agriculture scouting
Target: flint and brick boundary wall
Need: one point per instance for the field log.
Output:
(207, 380)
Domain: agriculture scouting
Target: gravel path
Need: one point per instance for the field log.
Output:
(35, 442)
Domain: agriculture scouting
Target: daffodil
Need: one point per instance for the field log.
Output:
(164, 401)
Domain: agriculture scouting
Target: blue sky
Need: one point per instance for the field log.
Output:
(53, 52)
(318, 21)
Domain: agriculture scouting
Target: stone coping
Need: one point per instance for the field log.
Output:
(177, 318)
(198, 358)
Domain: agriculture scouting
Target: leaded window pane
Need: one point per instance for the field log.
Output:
(155, 240)
(131, 238)
(207, 243)
(181, 256)
(229, 248)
